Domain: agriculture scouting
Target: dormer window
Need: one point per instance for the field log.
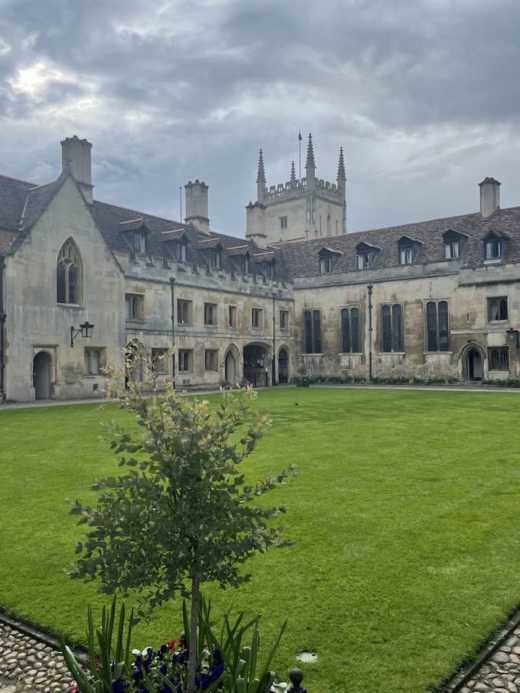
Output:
(267, 269)
(328, 260)
(178, 250)
(408, 249)
(366, 255)
(241, 263)
(139, 242)
(494, 249)
(213, 258)
(452, 250)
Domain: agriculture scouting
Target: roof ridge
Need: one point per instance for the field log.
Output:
(138, 211)
(22, 180)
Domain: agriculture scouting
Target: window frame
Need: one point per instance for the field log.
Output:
(69, 260)
(283, 319)
(232, 311)
(496, 242)
(212, 308)
(257, 316)
(494, 358)
(186, 355)
(312, 317)
(350, 330)
(184, 305)
(284, 223)
(164, 370)
(437, 326)
(88, 360)
(367, 259)
(135, 299)
(500, 300)
(404, 249)
(392, 328)
(210, 355)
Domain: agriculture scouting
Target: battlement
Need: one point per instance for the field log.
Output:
(297, 188)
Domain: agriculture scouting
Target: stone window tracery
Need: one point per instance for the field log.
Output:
(69, 274)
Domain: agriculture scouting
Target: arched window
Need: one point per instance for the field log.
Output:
(68, 274)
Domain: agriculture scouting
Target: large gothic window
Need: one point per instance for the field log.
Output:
(69, 273)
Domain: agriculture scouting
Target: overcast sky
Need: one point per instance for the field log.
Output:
(423, 95)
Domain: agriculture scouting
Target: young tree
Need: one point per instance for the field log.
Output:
(181, 514)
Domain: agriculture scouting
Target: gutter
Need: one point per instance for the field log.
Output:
(2, 330)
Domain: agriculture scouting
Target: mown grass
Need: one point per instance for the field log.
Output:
(405, 513)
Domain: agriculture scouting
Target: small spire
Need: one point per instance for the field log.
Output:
(310, 163)
(261, 170)
(341, 166)
(293, 173)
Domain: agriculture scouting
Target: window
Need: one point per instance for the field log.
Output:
(284, 319)
(241, 263)
(312, 323)
(267, 269)
(283, 222)
(493, 248)
(437, 326)
(364, 260)
(178, 250)
(210, 313)
(159, 360)
(232, 316)
(185, 360)
(392, 328)
(406, 255)
(326, 264)
(497, 309)
(69, 274)
(213, 258)
(452, 250)
(498, 358)
(184, 311)
(257, 318)
(211, 360)
(139, 242)
(94, 360)
(350, 330)
(134, 306)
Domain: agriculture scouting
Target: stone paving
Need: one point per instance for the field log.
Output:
(30, 666)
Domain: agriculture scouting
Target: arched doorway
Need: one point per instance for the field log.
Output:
(474, 365)
(256, 364)
(42, 375)
(231, 373)
(283, 366)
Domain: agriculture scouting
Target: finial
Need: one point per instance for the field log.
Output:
(341, 166)
(261, 170)
(293, 173)
(310, 163)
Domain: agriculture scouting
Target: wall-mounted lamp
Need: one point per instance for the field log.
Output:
(85, 330)
(513, 336)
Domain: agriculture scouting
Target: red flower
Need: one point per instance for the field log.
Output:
(171, 644)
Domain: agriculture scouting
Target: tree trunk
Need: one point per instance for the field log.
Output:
(192, 663)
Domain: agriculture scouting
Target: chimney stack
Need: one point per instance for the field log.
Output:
(197, 205)
(489, 197)
(76, 155)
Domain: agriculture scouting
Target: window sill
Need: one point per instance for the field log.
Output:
(393, 353)
(209, 325)
(494, 261)
(313, 353)
(94, 375)
(68, 305)
(140, 321)
(497, 323)
(184, 324)
(350, 353)
(436, 353)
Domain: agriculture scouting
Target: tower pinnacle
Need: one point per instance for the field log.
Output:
(293, 174)
(310, 163)
(341, 166)
(261, 170)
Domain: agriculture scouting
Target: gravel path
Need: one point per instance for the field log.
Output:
(30, 666)
(500, 674)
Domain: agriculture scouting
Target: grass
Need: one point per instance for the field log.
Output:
(405, 514)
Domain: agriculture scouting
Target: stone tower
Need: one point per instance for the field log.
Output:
(306, 208)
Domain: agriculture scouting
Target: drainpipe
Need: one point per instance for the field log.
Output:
(273, 360)
(172, 291)
(2, 330)
(370, 330)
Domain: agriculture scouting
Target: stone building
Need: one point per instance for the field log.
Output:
(432, 299)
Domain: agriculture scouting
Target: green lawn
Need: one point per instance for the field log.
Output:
(406, 514)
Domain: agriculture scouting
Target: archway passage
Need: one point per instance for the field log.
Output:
(42, 375)
(256, 365)
(283, 366)
(231, 369)
(475, 369)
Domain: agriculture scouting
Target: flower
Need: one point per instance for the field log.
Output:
(120, 685)
(171, 644)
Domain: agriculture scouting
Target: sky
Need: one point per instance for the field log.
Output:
(423, 95)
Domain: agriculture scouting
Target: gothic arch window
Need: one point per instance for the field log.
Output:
(69, 274)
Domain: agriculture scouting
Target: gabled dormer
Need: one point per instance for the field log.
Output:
(240, 258)
(494, 247)
(211, 251)
(328, 258)
(265, 262)
(453, 244)
(366, 255)
(175, 244)
(135, 232)
(408, 249)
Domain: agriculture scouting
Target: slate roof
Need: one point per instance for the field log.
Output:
(22, 202)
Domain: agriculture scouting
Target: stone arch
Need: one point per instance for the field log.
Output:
(232, 372)
(42, 374)
(472, 363)
(69, 274)
(257, 363)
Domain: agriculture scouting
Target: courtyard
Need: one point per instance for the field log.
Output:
(405, 517)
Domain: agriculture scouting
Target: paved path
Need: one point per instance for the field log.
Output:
(500, 674)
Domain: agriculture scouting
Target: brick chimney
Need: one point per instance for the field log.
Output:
(197, 205)
(76, 155)
(489, 197)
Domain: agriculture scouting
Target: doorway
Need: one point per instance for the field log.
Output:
(230, 369)
(475, 371)
(42, 375)
(256, 365)
(283, 366)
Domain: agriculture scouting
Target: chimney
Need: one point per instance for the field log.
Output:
(197, 205)
(255, 224)
(76, 156)
(489, 197)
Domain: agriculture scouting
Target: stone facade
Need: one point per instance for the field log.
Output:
(437, 299)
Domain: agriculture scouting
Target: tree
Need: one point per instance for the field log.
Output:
(182, 513)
